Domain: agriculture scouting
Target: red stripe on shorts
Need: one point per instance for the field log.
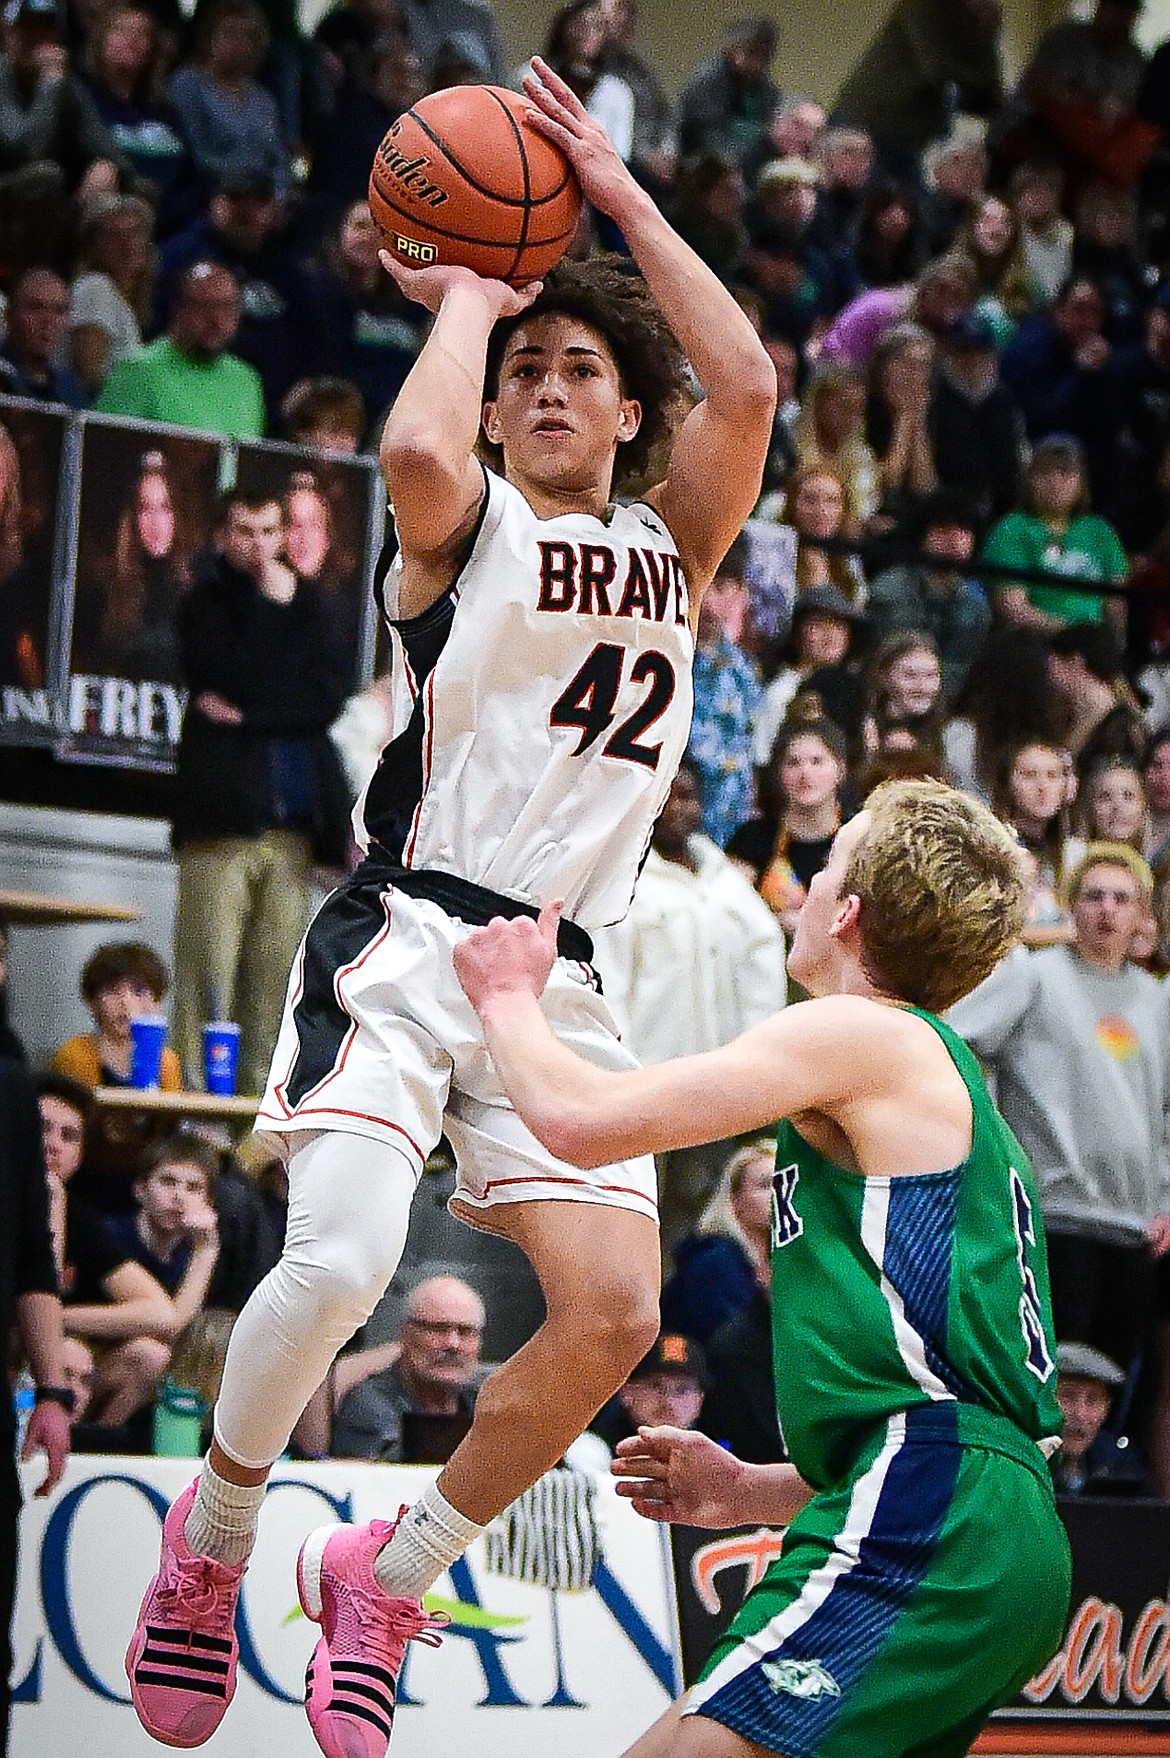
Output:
(560, 1178)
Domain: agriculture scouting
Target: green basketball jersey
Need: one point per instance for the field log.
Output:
(922, 1288)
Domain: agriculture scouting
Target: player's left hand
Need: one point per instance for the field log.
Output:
(48, 1433)
(679, 1475)
(508, 957)
(1160, 1235)
(559, 114)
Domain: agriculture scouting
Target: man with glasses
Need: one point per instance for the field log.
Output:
(437, 1372)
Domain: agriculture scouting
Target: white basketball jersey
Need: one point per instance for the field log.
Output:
(542, 705)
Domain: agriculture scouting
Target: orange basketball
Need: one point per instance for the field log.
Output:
(463, 177)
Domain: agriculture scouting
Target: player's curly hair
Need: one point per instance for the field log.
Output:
(609, 294)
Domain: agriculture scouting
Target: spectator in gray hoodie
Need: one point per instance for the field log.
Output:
(1079, 1040)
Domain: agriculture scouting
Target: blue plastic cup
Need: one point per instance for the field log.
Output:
(221, 1054)
(149, 1033)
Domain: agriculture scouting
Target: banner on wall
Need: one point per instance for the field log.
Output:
(1111, 1675)
(523, 1669)
(104, 524)
(37, 522)
(146, 512)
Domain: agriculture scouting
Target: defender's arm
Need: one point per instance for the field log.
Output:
(806, 1059)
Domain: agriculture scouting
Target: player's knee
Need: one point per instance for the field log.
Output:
(341, 1280)
(619, 1329)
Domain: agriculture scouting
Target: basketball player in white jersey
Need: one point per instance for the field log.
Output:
(542, 636)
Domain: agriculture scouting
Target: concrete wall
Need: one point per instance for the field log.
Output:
(93, 858)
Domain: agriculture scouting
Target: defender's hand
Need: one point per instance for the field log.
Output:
(559, 114)
(508, 958)
(431, 286)
(677, 1474)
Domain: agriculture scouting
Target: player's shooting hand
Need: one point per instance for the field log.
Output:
(508, 958)
(679, 1475)
(431, 286)
(48, 1433)
(560, 115)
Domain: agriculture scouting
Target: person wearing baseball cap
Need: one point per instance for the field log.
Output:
(1091, 1461)
(665, 1389)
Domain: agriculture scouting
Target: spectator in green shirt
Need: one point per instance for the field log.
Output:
(1059, 536)
(188, 378)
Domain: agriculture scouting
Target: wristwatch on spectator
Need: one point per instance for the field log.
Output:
(63, 1395)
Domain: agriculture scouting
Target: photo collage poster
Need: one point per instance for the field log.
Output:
(36, 531)
(104, 525)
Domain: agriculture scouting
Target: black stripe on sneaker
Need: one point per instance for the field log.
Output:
(359, 1709)
(188, 1639)
(371, 1692)
(181, 1682)
(196, 1662)
(364, 1667)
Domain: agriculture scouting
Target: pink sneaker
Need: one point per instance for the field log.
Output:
(181, 1661)
(349, 1686)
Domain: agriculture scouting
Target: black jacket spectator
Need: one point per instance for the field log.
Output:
(123, 78)
(280, 665)
(1139, 384)
(976, 431)
(1054, 366)
(739, 1410)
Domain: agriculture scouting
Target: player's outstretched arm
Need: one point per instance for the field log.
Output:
(680, 1476)
(717, 463)
(806, 1059)
(428, 444)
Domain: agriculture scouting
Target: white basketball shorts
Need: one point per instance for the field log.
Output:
(378, 1039)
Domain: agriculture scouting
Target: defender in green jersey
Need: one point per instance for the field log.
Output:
(925, 1572)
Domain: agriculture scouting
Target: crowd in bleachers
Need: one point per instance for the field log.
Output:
(964, 286)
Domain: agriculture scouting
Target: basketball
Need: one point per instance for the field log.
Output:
(463, 177)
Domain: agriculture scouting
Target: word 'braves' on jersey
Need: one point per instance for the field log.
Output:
(541, 707)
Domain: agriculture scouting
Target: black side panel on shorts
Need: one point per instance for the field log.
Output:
(343, 927)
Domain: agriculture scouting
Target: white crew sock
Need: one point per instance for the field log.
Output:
(222, 1521)
(429, 1537)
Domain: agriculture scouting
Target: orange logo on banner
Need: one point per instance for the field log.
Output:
(750, 1550)
(1095, 1656)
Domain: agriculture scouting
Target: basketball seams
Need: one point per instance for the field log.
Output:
(520, 148)
(506, 201)
(427, 215)
(428, 227)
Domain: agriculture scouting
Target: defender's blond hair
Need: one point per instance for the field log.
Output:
(941, 883)
(1112, 854)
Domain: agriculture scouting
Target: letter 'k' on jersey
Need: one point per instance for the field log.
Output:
(541, 706)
